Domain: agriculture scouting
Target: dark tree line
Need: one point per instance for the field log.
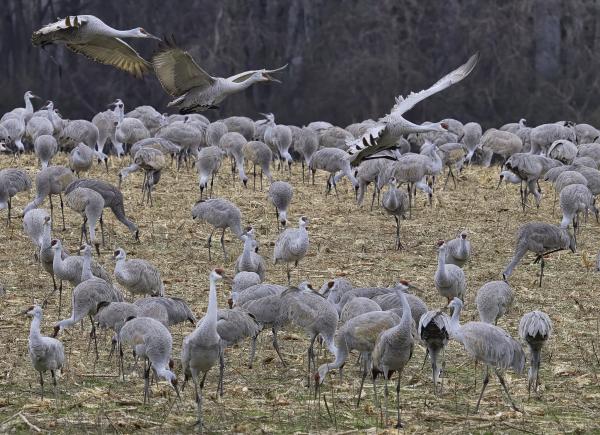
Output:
(347, 59)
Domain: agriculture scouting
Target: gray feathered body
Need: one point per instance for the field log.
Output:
(220, 213)
(12, 181)
(356, 307)
(493, 301)
(291, 245)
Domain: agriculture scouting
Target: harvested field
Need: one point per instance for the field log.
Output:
(344, 239)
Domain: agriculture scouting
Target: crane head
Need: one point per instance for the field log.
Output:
(141, 33)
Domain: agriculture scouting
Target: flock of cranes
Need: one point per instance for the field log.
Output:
(382, 324)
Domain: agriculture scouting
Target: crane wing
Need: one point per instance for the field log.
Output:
(114, 52)
(405, 104)
(177, 71)
(54, 31)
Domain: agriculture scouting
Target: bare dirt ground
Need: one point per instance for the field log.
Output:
(344, 239)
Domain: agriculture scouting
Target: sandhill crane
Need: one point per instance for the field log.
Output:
(26, 112)
(491, 345)
(81, 159)
(392, 351)
(359, 333)
(310, 311)
(280, 138)
(395, 203)
(214, 132)
(90, 36)
(259, 154)
(70, 268)
(242, 280)
(542, 239)
(574, 199)
(153, 342)
(292, 245)
(503, 143)
(585, 161)
(332, 160)
(530, 168)
(137, 276)
(433, 330)
(45, 147)
(232, 143)
(46, 353)
(544, 135)
(113, 199)
(471, 137)
(411, 169)
(184, 134)
(208, 164)
(233, 326)
(386, 132)
(535, 328)
(368, 172)
(459, 250)
(150, 117)
(52, 180)
(34, 226)
(86, 297)
(38, 126)
(176, 309)
(449, 279)
(241, 125)
(160, 144)
(15, 129)
(255, 292)
(12, 181)
(249, 260)
(89, 204)
(356, 307)
(193, 88)
(80, 131)
(105, 122)
(152, 161)
(268, 311)
(334, 289)
(201, 349)
(392, 302)
(127, 132)
(563, 150)
(493, 301)
(280, 194)
(452, 155)
(220, 214)
(113, 315)
(306, 144)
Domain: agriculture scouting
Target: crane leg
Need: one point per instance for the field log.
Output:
(362, 382)
(102, 229)
(62, 211)
(9, 209)
(385, 400)
(503, 383)
(209, 242)
(147, 366)
(223, 244)
(60, 287)
(254, 177)
(252, 351)
(399, 424)
(542, 264)
(302, 171)
(261, 177)
(212, 180)
(313, 176)
(221, 372)
(311, 357)
(276, 346)
(55, 385)
(51, 212)
(486, 380)
(42, 384)
(287, 267)
(410, 200)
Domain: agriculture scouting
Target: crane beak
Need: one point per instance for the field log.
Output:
(270, 78)
(151, 36)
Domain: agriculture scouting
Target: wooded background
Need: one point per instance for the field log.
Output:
(347, 59)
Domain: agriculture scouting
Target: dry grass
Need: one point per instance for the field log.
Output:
(345, 239)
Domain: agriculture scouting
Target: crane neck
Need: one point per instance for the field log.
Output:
(240, 86)
(406, 312)
(57, 262)
(455, 322)
(210, 320)
(442, 261)
(86, 269)
(35, 330)
(28, 105)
